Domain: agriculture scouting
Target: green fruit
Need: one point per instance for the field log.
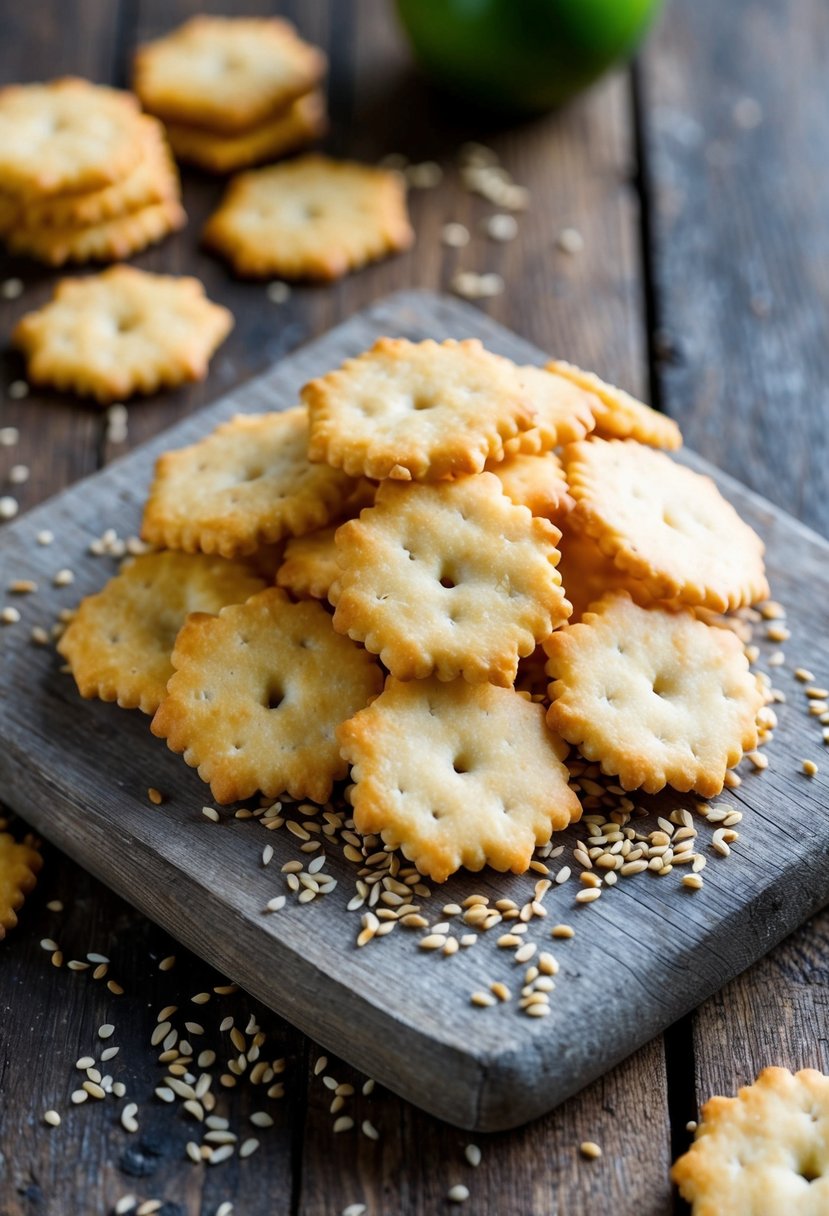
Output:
(522, 56)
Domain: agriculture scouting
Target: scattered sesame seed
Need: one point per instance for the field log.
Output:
(473, 1155)
(455, 236)
(11, 289)
(63, 578)
(155, 796)
(691, 1125)
(482, 999)
(106, 1031)
(193, 1152)
(18, 389)
(810, 768)
(355, 1209)
(501, 227)
(343, 1124)
(805, 676)
(19, 474)
(693, 882)
(9, 436)
(45, 537)
(277, 292)
(8, 507)
(52, 1118)
(458, 1193)
(275, 904)
(589, 1149)
(562, 931)
(201, 998)
(78, 1096)
(55, 905)
(369, 1130)
(125, 1204)
(22, 586)
(210, 813)
(9, 616)
(570, 240)
(424, 176)
(47, 943)
(128, 1119)
(588, 896)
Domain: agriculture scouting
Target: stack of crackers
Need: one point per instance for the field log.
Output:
(233, 91)
(84, 175)
(515, 569)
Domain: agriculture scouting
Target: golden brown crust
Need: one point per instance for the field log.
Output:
(310, 218)
(448, 578)
(20, 864)
(120, 332)
(764, 1152)
(257, 695)
(68, 135)
(416, 410)
(111, 240)
(653, 695)
(664, 525)
(119, 642)
(535, 482)
(617, 414)
(310, 565)
(564, 412)
(299, 124)
(457, 775)
(226, 73)
(247, 484)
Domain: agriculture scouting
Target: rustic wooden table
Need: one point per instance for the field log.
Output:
(698, 181)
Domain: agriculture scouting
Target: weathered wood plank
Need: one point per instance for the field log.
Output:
(732, 132)
(455, 1061)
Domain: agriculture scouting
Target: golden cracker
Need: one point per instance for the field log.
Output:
(654, 696)
(764, 1152)
(301, 123)
(119, 643)
(247, 484)
(535, 482)
(564, 413)
(457, 775)
(110, 241)
(153, 179)
(225, 73)
(448, 578)
(664, 525)
(257, 695)
(20, 863)
(120, 332)
(310, 218)
(416, 410)
(587, 574)
(68, 135)
(310, 565)
(617, 414)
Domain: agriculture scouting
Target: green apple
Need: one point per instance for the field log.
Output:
(522, 56)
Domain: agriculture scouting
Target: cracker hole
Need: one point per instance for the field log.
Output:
(461, 764)
(314, 211)
(447, 582)
(809, 1168)
(423, 402)
(274, 696)
(203, 694)
(663, 687)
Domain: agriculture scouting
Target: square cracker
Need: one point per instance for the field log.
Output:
(310, 218)
(119, 642)
(257, 695)
(653, 695)
(456, 775)
(226, 73)
(247, 484)
(449, 578)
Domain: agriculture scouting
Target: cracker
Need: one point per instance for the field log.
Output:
(763, 1153)
(67, 135)
(617, 414)
(9, 213)
(247, 484)
(456, 775)
(664, 525)
(564, 413)
(535, 482)
(20, 863)
(587, 575)
(118, 645)
(303, 121)
(111, 240)
(310, 218)
(422, 410)
(225, 73)
(120, 332)
(655, 696)
(257, 695)
(310, 565)
(448, 578)
(153, 179)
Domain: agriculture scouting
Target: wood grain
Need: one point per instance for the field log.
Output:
(422, 1039)
(733, 132)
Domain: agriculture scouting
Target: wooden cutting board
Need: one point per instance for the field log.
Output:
(643, 955)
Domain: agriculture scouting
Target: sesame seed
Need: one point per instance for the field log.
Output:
(424, 176)
(343, 1124)
(155, 796)
(692, 881)
(8, 507)
(63, 578)
(275, 904)
(210, 813)
(225, 1209)
(52, 1118)
(458, 1193)
(691, 1125)
(369, 1130)
(125, 1204)
(501, 227)
(45, 537)
(455, 236)
(261, 1118)
(570, 240)
(18, 389)
(355, 1209)
(277, 292)
(562, 931)
(482, 999)
(94, 1089)
(106, 1031)
(501, 991)
(473, 1155)
(11, 289)
(805, 676)
(589, 1149)
(810, 768)
(128, 1119)
(55, 905)
(588, 896)
(193, 1152)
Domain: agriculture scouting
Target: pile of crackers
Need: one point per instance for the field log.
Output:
(516, 566)
(233, 91)
(84, 175)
